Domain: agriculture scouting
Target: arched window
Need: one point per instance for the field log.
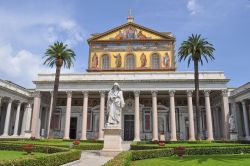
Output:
(155, 61)
(130, 62)
(105, 62)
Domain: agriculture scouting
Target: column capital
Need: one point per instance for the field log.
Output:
(189, 93)
(137, 93)
(171, 93)
(154, 93)
(85, 93)
(37, 94)
(69, 94)
(224, 93)
(243, 103)
(19, 102)
(102, 93)
(51, 92)
(206, 93)
(10, 100)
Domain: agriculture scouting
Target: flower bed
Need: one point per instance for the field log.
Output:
(126, 157)
(56, 155)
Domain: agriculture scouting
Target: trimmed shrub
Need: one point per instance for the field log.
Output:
(122, 159)
(145, 154)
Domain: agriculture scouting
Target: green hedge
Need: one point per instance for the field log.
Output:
(56, 156)
(145, 145)
(165, 152)
(122, 159)
(83, 146)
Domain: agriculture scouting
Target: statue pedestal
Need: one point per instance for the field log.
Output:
(233, 136)
(112, 141)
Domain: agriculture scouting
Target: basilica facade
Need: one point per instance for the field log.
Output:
(158, 98)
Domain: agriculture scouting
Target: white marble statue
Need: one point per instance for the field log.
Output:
(232, 122)
(115, 104)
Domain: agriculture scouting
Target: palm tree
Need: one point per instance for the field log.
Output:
(196, 49)
(58, 55)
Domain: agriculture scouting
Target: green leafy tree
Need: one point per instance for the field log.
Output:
(58, 55)
(196, 49)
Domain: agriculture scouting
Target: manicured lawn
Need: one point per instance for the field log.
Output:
(211, 160)
(9, 155)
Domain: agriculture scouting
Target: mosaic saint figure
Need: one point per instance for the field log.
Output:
(94, 61)
(140, 35)
(166, 60)
(118, 60)
(119, 36)
(143, 60)
(115, 104)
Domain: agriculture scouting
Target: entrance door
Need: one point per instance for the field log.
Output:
(73, 128)
(128, 127)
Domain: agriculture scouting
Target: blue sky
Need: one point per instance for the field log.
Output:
(27, 27)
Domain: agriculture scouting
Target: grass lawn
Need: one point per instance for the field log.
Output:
(206, 160)
(9, 155)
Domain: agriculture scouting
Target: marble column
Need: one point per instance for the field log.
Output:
(7, 119)
(210, 136)
(50, 113)
(102, 113)
(172, 116)
(84, 115)
(225, 115)
(0, 103)
(137, 116)
(35, 131)
(17, 118)
(67, 116)
(190, 116)
(246, 124)
(155, 116)
(27, 120)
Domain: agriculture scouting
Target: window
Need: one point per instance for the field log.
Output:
(155, 61)
(105, 62)
(130, 62)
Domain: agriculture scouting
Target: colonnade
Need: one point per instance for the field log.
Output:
(26, 121)
(155, 135)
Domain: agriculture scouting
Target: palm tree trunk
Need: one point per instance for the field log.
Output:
(55, 94)
(196, 80)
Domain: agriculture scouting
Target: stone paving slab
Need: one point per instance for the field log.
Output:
(93, 157)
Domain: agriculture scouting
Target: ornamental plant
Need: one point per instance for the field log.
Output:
(28, 148)
(76, 142)
(180, 151)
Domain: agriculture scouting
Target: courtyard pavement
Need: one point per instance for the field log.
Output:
(93, 157)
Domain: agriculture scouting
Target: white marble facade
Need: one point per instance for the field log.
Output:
(155, 103)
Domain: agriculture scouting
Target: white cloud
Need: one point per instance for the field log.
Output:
(193, 6)
(25, 35)
(67, 31)
(22, 66)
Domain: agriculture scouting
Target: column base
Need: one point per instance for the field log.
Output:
(247, 138)
(137, 139)
(66, 138)
(5, 136)
(173, 139)
(192, 139)
(210, 139)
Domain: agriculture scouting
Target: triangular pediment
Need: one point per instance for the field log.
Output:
(131, 31)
